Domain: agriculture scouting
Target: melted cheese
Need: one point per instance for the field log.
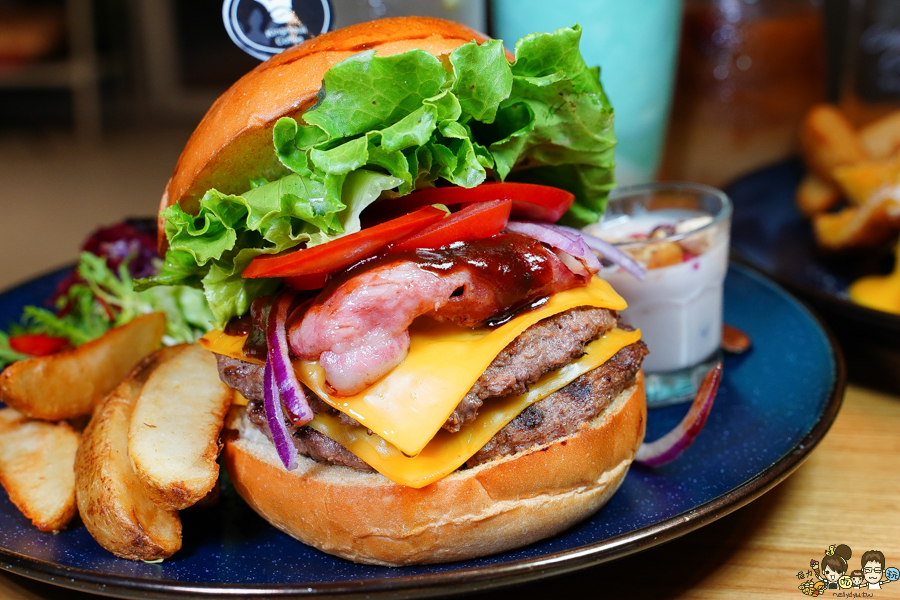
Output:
(227, 345)
(447, 451)
(879, 292)
(408, 406)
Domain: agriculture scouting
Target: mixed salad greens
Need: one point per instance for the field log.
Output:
(386, 126)
(98, 295)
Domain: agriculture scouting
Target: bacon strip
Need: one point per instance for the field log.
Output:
(357, 328)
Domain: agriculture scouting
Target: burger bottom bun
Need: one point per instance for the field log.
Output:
(503, 504)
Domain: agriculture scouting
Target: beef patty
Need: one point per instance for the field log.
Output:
(545, 346)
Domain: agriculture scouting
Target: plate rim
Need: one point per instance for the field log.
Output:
(488, 576)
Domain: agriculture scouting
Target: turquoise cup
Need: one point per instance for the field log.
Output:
(635, 43)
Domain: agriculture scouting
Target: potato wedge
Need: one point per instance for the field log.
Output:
(828, 140)
(858, 227)
(113, 504)
(861, 181)
(69, 384)
(10, 418)
(815, 195)
(881, 138)
(208, 501)
(36, 468)
(174, 436)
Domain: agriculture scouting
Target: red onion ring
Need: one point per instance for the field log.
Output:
(670, 446)
(275, 419)
(609, 251)
(290, 391)
(574, 245)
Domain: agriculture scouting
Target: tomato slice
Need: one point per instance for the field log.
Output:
(311, 281)
(341, 253)
(474, 222)
(38, 344)
(529, 200)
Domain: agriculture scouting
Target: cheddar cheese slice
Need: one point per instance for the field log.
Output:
(408, 406)
(227, 345)
(447, 451)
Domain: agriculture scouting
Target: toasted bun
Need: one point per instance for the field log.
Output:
(233, 142)
(503, 504)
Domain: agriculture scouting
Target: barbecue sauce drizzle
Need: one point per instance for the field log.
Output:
(519, 272)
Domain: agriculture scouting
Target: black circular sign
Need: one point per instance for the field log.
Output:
(263, 28)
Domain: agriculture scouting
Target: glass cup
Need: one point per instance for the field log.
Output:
(748, 71)
(680, 233)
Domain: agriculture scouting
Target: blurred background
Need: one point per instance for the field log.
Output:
(97, 97)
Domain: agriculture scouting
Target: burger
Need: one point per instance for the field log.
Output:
(426, 368)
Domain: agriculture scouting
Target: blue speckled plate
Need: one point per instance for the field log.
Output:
(775, 403)
(769, 234)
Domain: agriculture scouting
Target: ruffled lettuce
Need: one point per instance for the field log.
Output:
(102, 298)
(213, 247)
(388, 125)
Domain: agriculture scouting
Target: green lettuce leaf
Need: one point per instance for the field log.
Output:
(558, 116)
(213, 248)
(539, 55)
(365, 92)
(546, 111)
(105, 299)
(483, 78)
(389, 125)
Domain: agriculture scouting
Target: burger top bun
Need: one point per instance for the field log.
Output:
(499, 505)
(233, 142)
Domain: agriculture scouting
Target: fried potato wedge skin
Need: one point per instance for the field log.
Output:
(69, 384)
(113, 504)
(829, 140)
(858, 227)
(815, 195)
(173, 440)
(10, 418)
(857, 172)
(861, 181)
(881, 138)
(36, 468)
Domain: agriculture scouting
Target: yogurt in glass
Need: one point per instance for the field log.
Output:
(680, 233)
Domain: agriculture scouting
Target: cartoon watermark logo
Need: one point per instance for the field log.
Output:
(832, 575)
(263, 28)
